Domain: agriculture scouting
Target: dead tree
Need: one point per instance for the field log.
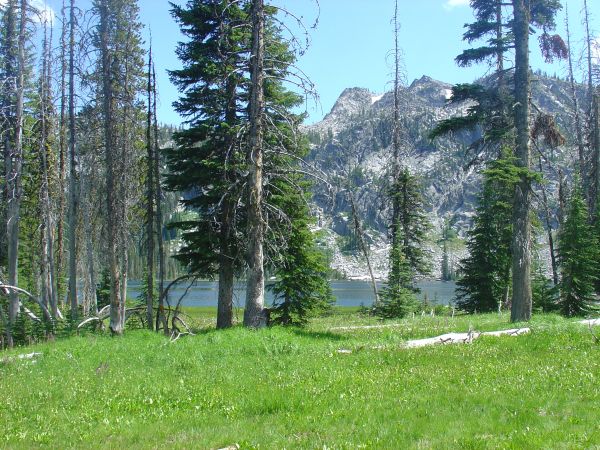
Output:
(254, 314)
(73, 185)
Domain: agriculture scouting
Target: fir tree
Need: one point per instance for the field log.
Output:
(398, 296)
(302, 290)
(484, 281)
(407, 258)
(578, 257)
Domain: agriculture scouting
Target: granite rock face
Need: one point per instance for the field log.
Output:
(354, 140)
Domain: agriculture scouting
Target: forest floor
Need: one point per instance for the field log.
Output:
(293, 388)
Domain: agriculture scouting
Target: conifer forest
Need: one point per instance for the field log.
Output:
(113, 220)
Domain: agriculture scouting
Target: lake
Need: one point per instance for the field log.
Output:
(347, 293)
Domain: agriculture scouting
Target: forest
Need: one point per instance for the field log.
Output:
(98, 193)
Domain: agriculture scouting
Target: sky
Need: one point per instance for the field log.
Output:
(351, 44)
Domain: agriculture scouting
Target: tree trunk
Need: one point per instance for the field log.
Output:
(363, 246)
(14, 170)
(47, 236)
(150, 216)
(577, 117)
(116, 317)
(226, 261)
(521, 243)
(596, 151)
(62, 155)
(160, 315)
(73, 185)
(396, 138)
(548, 218)
(592, 175)
(91, 300)
(254, 314)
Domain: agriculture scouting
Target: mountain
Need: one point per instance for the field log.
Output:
(355, 140)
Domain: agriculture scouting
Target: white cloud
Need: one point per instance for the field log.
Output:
(451, 4)
(46, 13)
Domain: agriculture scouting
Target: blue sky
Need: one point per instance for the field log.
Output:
(351, 44)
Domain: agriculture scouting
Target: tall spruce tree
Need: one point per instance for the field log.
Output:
(578, 257)
(508, 26)
(484, 283)
(408, 259)
(220, 139)
(207, 162)
(302, 290)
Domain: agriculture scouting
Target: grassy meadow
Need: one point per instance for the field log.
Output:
(292, 388)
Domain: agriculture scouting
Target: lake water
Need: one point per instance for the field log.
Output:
(347, 293)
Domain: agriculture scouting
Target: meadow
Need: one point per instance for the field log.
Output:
(319, 387)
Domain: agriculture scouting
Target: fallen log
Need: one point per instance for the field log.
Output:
(590, 322)
(462, 338)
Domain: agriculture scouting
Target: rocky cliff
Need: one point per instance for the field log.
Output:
(355, 141)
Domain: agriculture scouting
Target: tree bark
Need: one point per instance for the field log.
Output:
(150, 199)
(592, 175)
(14, 171)
(160, 315)
(363, 246)
(73, 185)
(254, 314)
(576, 114)
(116, 316)
(226, 247)
(62, 155)
(521, 242)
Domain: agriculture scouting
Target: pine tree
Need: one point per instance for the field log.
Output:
(207, 161)
(484, 281)
(302, 290)
(398, 296)
(221, 141)
(578, 257)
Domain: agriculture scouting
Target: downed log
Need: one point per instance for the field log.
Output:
(6, 287)
(590, 322)
(462, 338)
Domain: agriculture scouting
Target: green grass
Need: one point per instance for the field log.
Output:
(289, 388)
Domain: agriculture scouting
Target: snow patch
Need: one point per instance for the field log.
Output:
(376, 98)
(448, 94)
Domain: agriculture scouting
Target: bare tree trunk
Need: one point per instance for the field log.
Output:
(521, 244)
(160, 315)
(596, 150)
(150, 198)
(396, 138)
(592, 181)
(47, 236)
(15, 165)
(576, 113)
(562, 198)
(62, 155)
(91, 301)
(363, 245)
(254, 314)
(116, 301)
(549, 230)
(73, 185)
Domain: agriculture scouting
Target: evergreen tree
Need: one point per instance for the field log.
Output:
(398, 296)
(407, 258)
(211, 161)
(578, 257)
(204, 163)
(484, 281)
(302, 289)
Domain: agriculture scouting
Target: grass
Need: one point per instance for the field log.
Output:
(290, 388)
